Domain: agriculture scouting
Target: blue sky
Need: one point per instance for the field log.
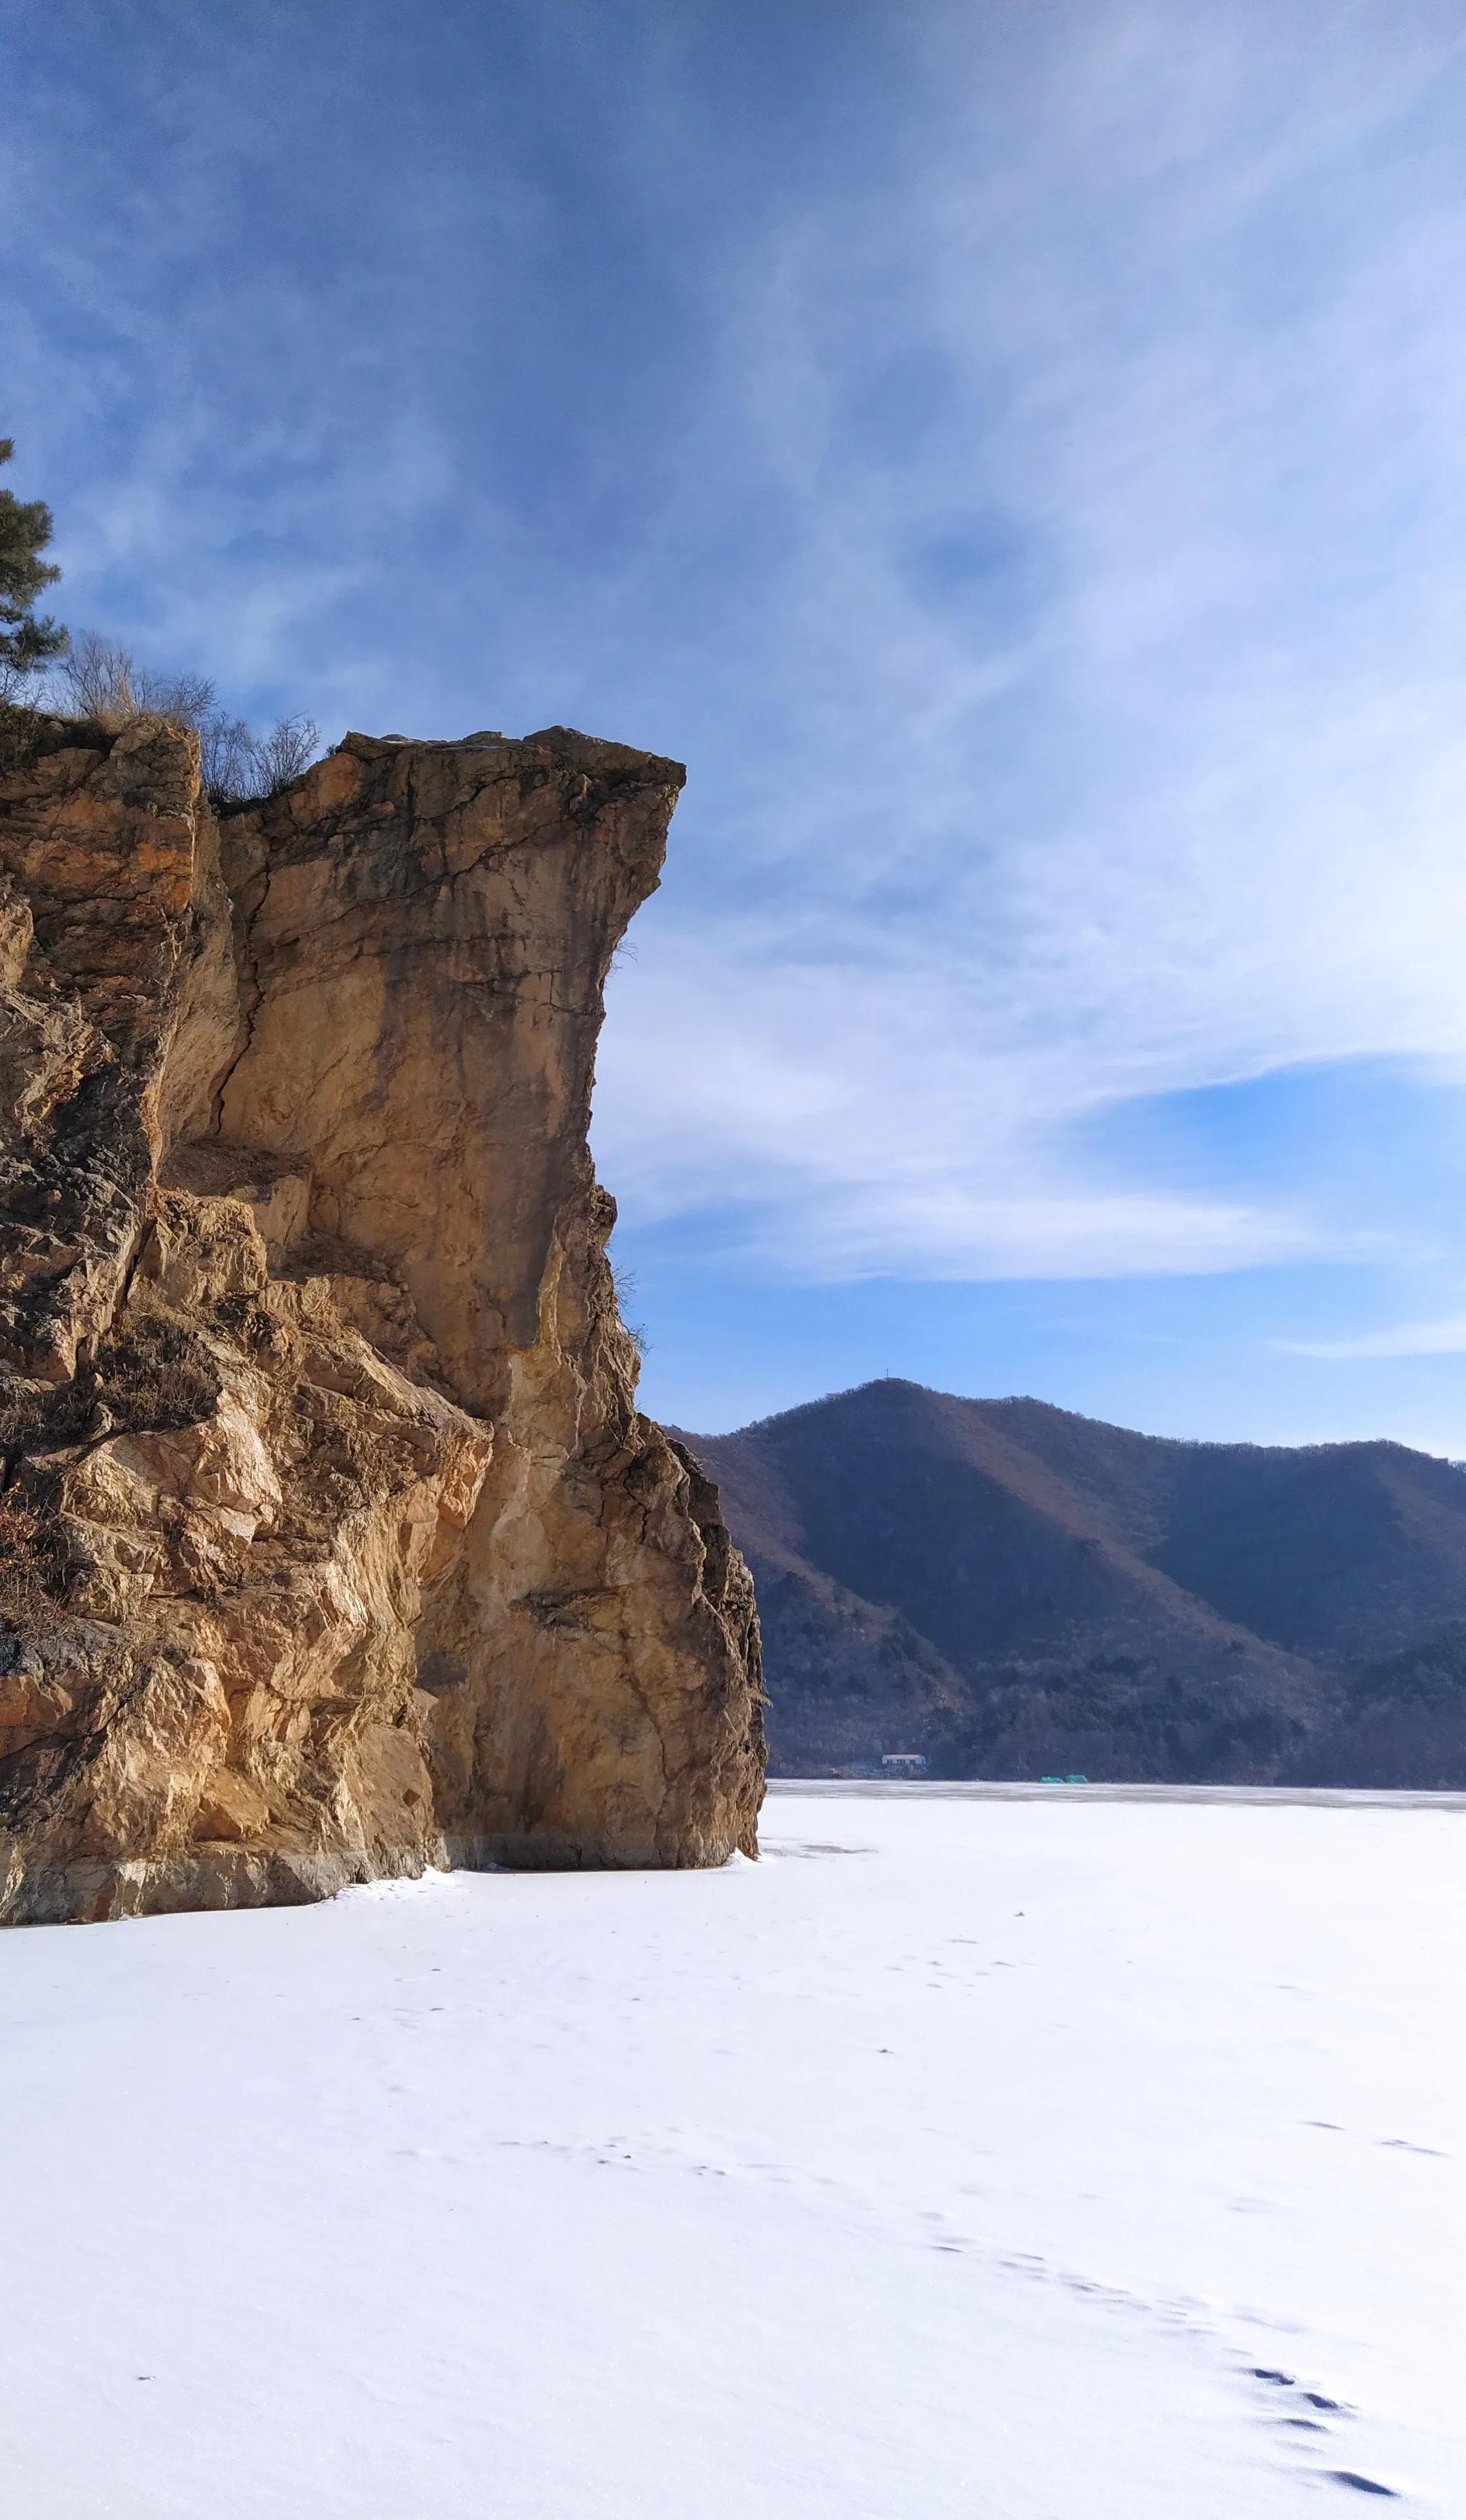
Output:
(1016, 456)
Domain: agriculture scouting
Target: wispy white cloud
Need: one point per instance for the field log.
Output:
(1445, 1337)
(1168, 315)
(1038, 521)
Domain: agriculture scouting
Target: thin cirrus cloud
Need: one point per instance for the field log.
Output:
(1012, 456)
(1445, 1337)
(1165, 792)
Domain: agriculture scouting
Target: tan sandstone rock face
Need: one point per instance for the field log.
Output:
(332, 1542)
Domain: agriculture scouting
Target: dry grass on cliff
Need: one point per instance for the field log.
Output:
(152, 1374)
(100, 688)
(623, 1284)
(106, 687)
(29, 1575)
(156, 1373)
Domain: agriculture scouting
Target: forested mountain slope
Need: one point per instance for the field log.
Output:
(1015, 1590)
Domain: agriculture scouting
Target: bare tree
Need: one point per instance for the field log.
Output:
(188, 697)
(290, 748)
(226, 757)
(105, 683)
(96, 677)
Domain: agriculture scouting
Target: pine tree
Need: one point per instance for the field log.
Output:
(26, 643)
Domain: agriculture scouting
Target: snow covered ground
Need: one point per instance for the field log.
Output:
(1026, 2160)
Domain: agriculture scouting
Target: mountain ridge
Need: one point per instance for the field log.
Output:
(1009, 1588)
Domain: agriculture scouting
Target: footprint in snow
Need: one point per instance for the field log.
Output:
(1286, 2380)
(1350, 2476)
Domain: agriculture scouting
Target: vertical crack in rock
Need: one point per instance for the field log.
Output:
(332, 1541)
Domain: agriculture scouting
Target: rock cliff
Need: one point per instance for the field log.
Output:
(332, 1542)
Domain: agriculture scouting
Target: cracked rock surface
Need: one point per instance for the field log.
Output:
(332, 1541)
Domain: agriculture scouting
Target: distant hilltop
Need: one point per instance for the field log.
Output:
(1013, 1590)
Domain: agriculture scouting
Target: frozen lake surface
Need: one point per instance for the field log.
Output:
(1070, 2158)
